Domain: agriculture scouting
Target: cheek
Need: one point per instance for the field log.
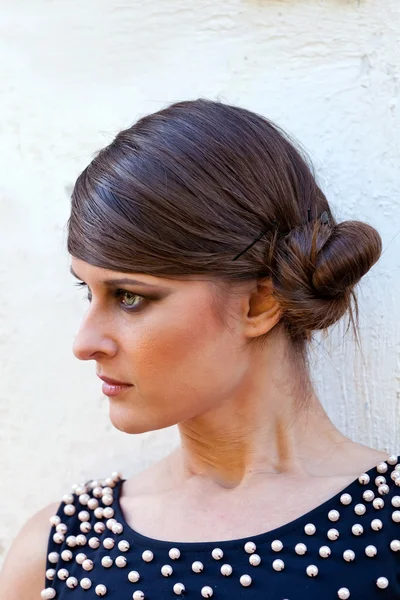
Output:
(184, 356)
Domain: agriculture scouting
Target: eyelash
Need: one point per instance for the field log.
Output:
(118, 294)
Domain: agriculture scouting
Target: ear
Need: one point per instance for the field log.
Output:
(263, 310)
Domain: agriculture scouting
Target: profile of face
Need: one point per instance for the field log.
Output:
(180, 349)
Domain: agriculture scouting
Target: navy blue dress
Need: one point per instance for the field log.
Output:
(347, 547)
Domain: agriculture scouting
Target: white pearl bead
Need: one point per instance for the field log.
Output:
(310, 529)
(395, 545)
(63, 574)
(68, 499)
(178, 588)
(147, 556)
(107, 562)
(217, 553)
(133, 576)
(94, 542)
(86, 583)
(51, 573)
(108, 543)
(99, 512)
(376, 524)
(84, 499)
(368, 495)
(278, 565)
(58, 538)
(109, 481)
(276, 545)
(380, 480)
(107, 491)
(333, 534)
(394, 475)
(346, 499)
(360, 509)
(99, 527)
(97, 492)
(108, 512)
(382, 467)
(371, 551)
(93, 503)
(226, 570)
(174, 553)
(250, 547)
(85, 527)
(138, 595)
(206, 591)
(116, 475)
(246, 580)
(101, 590)
(117, 528)
(110, 523)
(349, 555)
(72, 582)
(254, 559)
(61, 528)
(107, 499)
(300, 549)
(53, 557)
(396, 501)
(80, 489)
(123, 546)
(383, 489)
(378, 503)
(364, 479)
(357, 529)
(333, 515)
(121, 561)
(69, 510)
(55, 520)
(197, 566)
(343, 594)
(392, 460)
(48, 593)
(396, 516)
(312, 570)
(80, 539)
(324, 551)
(80, 557)
(167, 570)
(382, 582)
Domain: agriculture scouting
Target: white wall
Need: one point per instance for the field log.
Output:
(72, 74)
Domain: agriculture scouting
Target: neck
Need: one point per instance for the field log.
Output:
(273, 423)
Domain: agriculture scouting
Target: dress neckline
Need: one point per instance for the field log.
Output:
(262, 538)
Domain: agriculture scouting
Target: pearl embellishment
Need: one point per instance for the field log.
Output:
(254, 560)
(276, 545)
(147, 556)
(197, 566)
(167, 570)
(278, 565)
(246, 580)
(382, 582)
(371, 551)
(300, 549)
(174, 553)
(250, 547)
(324, 551)
(349, 555)
(310, 529)
(343, 594)
(101, 590)
(207, 591)
(333, 534)
(357, 529)
(226, 570)
(134, 576)
(312, 570)
(217, 554)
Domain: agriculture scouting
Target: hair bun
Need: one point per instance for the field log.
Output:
(315, 271)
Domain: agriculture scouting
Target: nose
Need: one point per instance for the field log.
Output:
(93, 340)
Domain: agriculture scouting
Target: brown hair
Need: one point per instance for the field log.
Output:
(183, 190)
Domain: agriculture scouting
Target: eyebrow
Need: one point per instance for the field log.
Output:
(120, 281)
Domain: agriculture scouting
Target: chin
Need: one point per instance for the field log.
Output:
(126, 422)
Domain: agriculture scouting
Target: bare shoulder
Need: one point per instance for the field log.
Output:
(27, 557)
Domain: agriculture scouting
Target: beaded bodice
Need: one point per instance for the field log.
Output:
(347, 547)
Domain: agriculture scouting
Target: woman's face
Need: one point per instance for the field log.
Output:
(177, 344)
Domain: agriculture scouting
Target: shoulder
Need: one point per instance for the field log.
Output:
(28, 551)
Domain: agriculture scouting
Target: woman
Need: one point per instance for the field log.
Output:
(210, 256)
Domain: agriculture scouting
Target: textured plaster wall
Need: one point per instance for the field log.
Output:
(72, 74)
